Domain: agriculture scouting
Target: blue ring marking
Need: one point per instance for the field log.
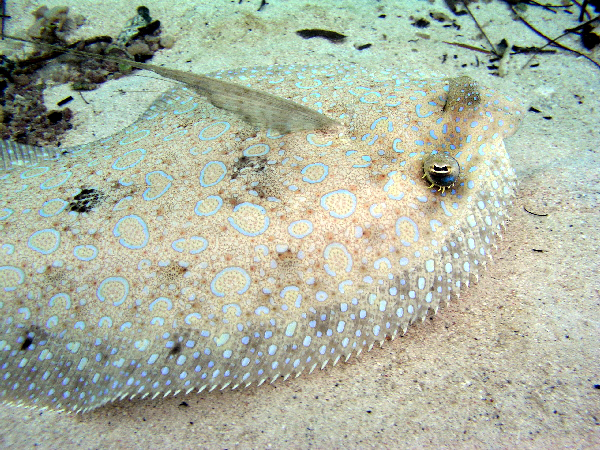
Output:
(65, 175)
(8, 249)
(310, 139)
(86, 247)
(260, 209)
(227, 126)
(223, 272)
(443, 205)
(52, 322)
(270, 136)
(166, 300)
(384, 260)
(238, 310)
(325, 173)
(176, 243)
(170, 137)
(474, 124)
(61, 209)
(333, 213)
(7, 214)
(327, 251)
(364, 100)
(125, 142)
(397, 141)
(375, 215)
(432, 134)
(298, 300)
(204, 244)
(143, 154)
(118, 206)
(415, 229)
(25, 175)
(261, 309)
(480, 151)
(210, 213)
(220, 164)
(300, 236)
(355, 93)
(122, 241)
(193, 106)
(47, 230)
(264, 152)
(472, 169)
(262, 248)
(433, 223)
(392, 97)
(153, 116)
(18, 271)
(389, 183)
(63, 296)
(189, 317)
(121, 280)
(321, 296)
(27, 312)
(374, 124)
(149, 183)
(318, 83)
(342, 286)
(418, 111)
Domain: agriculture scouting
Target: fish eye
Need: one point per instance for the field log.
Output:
(441, 170)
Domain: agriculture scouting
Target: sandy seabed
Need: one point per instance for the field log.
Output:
(514, 363)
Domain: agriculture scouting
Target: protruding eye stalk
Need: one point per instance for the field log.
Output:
(441, 170)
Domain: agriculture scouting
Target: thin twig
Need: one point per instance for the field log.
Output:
(553, 41)
(481, 29)
(470, 47)
(3, 16)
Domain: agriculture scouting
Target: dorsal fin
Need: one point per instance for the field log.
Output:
(255, 107)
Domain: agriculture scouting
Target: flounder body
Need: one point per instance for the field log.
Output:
(193, 251)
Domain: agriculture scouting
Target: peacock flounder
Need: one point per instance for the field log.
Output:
(195, 251)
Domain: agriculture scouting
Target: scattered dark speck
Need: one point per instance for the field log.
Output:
(597, 386)
(547, 117)
(184, 404)
(363, 47)
(532, 109)
(421, 23)
(64, 101)
(331, 36)
(381, 16)
(26, 343)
